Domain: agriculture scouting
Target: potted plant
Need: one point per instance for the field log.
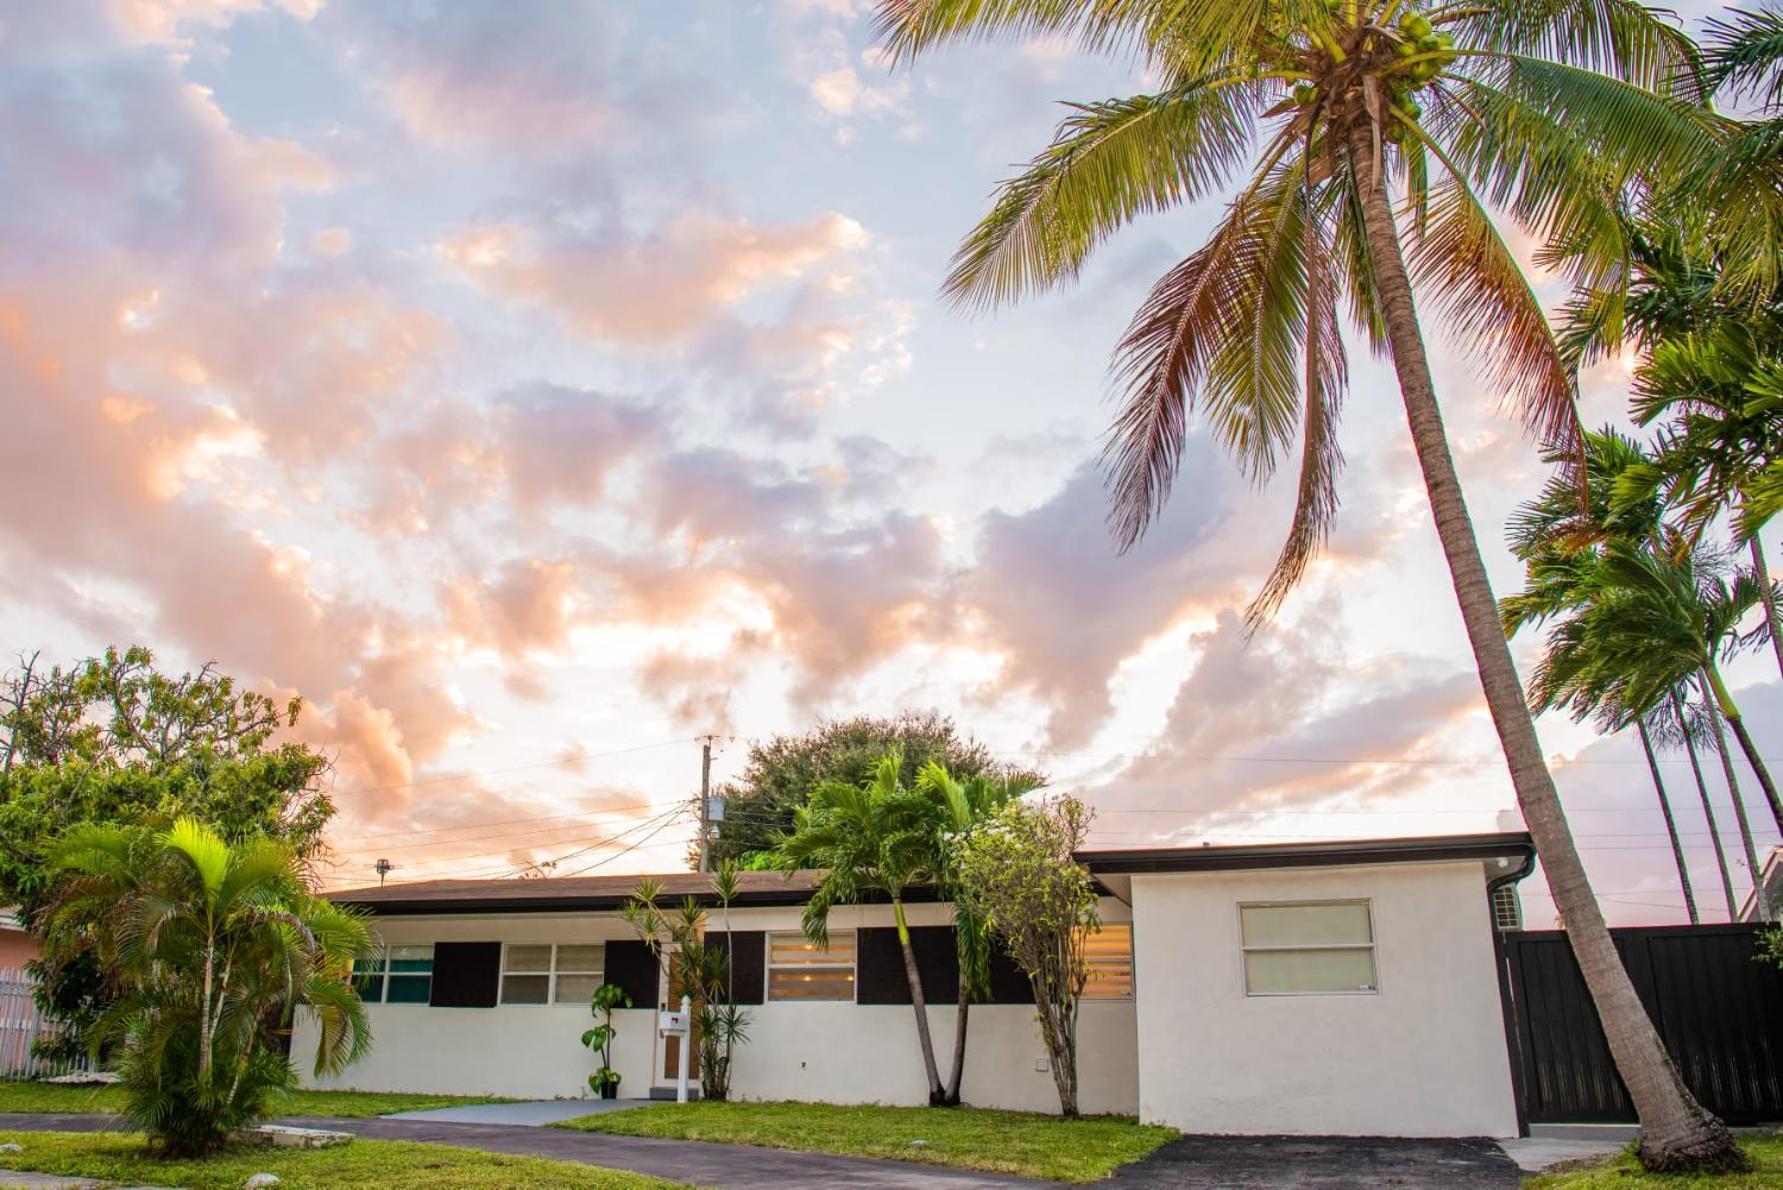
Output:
(605, 1081)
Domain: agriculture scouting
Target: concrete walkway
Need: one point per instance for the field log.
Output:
(534, 1114)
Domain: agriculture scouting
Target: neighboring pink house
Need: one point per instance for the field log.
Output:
(16, 946)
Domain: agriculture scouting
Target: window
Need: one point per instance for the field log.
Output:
(1109, 953)
(395, 975)
(798, 970)
(550, 973)
(1308, 948)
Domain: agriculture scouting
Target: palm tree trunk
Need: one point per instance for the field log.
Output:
(936, 1093)
(1702, 790)
(1724, 700)
(1762, 573)
(1676, 1133)
(1733, 781)
(951, 1098)
(1671, 824)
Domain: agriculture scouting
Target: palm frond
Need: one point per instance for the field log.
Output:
(1744, 52)
(1321, 459)
(1199, 330)
(1109, 163)
(1484, 297)
(1624, 39)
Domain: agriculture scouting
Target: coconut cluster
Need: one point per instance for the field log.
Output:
(1421, 53)
(1426, 52)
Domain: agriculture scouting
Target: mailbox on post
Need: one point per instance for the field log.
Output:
(678, 1024)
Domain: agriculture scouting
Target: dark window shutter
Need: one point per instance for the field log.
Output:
(879, 974)
(1009, 983)
(466, 974)
(633, 967)
(748, 952)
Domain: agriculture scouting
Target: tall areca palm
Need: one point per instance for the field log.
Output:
(878, 835)
(214, 945)
(1681, 728)
(1561, 541)
(1546, 109)
(962, 805)
(1711, 375)
(1672, 621)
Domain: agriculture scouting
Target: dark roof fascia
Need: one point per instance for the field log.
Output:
(569, 903)
(1339, 853)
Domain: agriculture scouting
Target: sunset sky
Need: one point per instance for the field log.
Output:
(535, 387)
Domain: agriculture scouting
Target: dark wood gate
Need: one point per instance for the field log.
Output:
(1718, 1008)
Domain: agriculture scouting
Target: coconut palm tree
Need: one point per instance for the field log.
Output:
(962, 805)
(1339, 111)
(1738, 186)
(878, 835)
(214, 946)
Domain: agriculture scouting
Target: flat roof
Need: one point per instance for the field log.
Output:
(568, 893)
(521, 895)
(1325, 854)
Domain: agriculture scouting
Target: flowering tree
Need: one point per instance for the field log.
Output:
(1017, 872)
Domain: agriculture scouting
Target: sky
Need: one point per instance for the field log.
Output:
(536, 387)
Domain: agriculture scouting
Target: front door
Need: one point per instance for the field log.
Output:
(668, 994)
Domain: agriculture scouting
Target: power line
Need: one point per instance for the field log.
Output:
(579, 814)
(1176, 757)
(571, 761)
(590, 846)
(628, 850)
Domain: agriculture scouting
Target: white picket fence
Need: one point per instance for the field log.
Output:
(21, 1025)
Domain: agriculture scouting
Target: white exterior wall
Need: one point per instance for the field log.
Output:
(1423, 1056)
(830, 1052)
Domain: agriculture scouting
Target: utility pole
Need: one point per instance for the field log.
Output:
(706, 802)
(383, 868)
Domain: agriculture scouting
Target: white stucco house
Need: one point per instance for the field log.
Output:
(1328, 988)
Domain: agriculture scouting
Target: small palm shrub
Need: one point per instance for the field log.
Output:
(212, 947)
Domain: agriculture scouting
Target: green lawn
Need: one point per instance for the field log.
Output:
(43, 1097)
(363, 1163)
(1625, 1173)
(1004, 1142)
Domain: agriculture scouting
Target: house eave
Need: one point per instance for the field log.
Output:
(1334, 853)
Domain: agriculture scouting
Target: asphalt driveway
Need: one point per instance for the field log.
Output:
(1323, 1162)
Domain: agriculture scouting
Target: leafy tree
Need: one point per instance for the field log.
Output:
(214, 947)
(782, 772)
(1549, 111)
(1019, 873)
(875, 836)
(118, 709)
(115, 741)
(961, 805)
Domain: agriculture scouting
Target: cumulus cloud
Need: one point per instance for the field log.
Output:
(646, 289)
(1055, 565)
(531, 76)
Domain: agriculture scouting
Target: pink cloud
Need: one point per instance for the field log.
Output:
(645, 289)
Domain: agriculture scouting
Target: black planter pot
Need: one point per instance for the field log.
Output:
(610, 1090)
